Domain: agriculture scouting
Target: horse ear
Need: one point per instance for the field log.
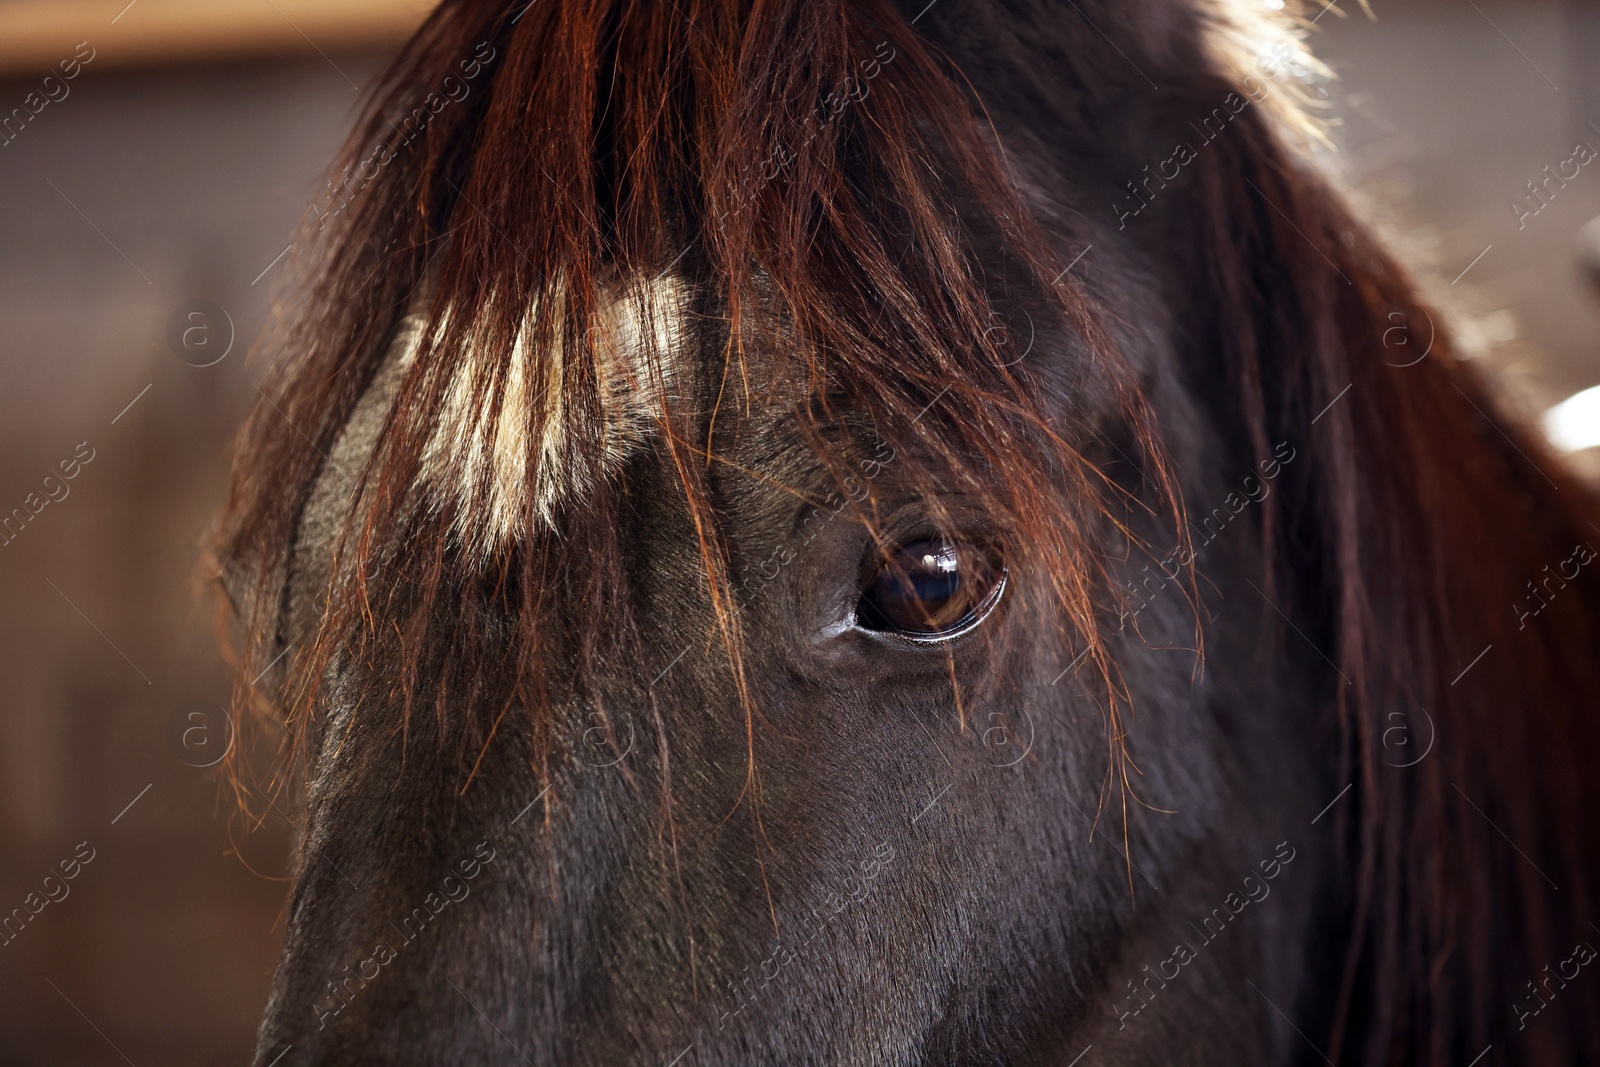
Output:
(1438, 557)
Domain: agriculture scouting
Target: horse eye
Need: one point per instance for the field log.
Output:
(932, 590)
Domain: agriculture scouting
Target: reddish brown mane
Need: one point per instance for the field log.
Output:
(1423, 518)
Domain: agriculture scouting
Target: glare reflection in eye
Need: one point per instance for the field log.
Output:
(932, 590)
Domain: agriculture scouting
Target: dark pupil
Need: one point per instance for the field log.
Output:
(926, 587)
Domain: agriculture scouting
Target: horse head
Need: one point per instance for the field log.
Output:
(848, 533)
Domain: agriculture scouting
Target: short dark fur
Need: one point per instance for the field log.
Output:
(723, 829)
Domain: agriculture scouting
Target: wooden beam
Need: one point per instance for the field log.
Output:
(36, 35)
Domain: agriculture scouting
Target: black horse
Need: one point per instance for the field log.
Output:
(808, 531)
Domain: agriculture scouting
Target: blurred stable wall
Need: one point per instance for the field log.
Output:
(1448, 109)
(143, 189)
(153, 185)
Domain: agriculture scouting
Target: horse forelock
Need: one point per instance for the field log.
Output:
(540, 340)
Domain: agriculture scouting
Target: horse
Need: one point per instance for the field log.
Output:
(808, 531)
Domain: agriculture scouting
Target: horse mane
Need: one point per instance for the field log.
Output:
(601, 145)
(1416, 528)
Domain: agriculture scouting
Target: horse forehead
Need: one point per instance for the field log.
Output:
(487, 467)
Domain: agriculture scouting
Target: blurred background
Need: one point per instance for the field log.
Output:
(148, 192)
